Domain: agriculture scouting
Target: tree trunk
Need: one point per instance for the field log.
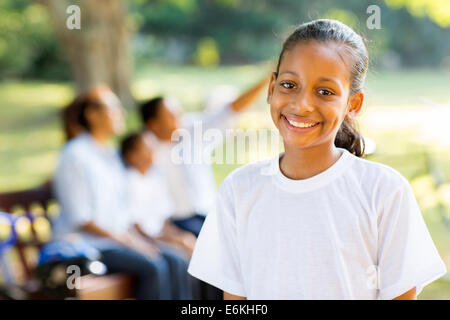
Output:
(99, 51)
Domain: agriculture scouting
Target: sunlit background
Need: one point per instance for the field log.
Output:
(187, 48)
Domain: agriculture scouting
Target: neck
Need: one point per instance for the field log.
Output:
(303, 163)
(141, 170)
(100, 137)
(160, 137)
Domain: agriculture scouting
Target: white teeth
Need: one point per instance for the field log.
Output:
(301, 124)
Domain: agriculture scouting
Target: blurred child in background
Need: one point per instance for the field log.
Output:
(150, 194)
(152, 206)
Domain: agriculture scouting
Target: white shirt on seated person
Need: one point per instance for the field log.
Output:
(150, 199)
(90, 186)
(191, 183)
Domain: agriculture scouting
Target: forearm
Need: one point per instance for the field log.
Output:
(171, 239)
(408, 295)
(171, 234)
(229, 296)
(144, 234)
(92, 228)
(179, 238)
(244, 101)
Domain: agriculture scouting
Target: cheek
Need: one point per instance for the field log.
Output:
(276, 105)
(275, 114)
(332, 116)
(168, 123)
(114, 120)
(148, 158)
(109, 121)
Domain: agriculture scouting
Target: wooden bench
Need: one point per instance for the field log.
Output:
(41, 201)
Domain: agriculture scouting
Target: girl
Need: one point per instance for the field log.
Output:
(318, 221)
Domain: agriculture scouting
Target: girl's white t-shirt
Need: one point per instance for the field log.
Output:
(353, 231)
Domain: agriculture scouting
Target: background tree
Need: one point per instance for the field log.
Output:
(99, 51)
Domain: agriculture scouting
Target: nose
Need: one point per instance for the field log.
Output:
(302, 102)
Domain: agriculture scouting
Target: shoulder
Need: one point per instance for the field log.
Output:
(135, 183)
(72, 163)
(377, 182)
(76, 148)
(132, 175)
(249, 175)
(378, 174)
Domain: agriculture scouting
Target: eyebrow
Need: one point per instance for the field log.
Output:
(320, 79)
(327, 79)
(291, 72)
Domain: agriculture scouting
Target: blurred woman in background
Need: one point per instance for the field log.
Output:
(69, 114)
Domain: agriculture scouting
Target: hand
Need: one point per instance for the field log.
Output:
(145, 247)
(122, 239)
(151, 251)
(139, 244)
(187, 242)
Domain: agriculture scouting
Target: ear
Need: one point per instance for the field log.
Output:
(355, 105)
(132, 159)
(91, 114)
(150, 125)
(273, 79)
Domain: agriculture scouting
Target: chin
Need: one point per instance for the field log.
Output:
(118, 130)
(298, 141)
(300, 145)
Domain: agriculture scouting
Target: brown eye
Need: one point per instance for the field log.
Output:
(287, 85)
(325, 92)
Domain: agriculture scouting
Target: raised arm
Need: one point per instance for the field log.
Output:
(94, 229)
(221, 119)
(247, 98)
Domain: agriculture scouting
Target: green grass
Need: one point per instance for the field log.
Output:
(30, 133)
(407, 87)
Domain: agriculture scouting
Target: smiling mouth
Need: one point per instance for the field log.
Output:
(299, 126)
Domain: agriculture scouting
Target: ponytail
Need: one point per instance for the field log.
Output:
(348, 137)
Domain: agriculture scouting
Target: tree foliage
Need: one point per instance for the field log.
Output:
(437, 10)
(207, 32)
(27, 42)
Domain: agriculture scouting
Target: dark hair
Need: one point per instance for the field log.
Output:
(76, 110)
(325, 30)
(85, 104)
(74, 114)
(129, 144)
(70, 116)
(149, 109)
